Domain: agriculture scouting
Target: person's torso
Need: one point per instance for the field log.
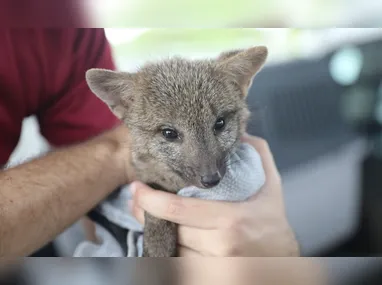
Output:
(27, 80)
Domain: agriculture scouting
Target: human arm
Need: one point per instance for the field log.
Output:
(41, 198)
(257, 227)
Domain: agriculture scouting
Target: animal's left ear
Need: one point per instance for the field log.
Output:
(243, 65)
(227, 54)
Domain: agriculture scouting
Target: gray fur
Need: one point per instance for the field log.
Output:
(188, 96)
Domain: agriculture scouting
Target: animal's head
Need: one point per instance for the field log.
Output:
(185, 115)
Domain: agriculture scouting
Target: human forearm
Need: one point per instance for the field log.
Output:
(41, 198)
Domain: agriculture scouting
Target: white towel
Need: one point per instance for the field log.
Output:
(244, 177)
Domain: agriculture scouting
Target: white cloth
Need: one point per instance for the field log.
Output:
(244, 177)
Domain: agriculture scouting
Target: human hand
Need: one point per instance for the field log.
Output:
(257, 227)
(118, 138)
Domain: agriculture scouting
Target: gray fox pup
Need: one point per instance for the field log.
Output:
(185, 118)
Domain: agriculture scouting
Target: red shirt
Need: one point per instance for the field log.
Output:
(42, 73)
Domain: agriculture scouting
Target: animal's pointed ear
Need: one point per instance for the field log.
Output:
(243, 65)
(111, 87)
(227, 54)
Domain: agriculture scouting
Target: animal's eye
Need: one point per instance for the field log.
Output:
(170, 134)
(219, 124)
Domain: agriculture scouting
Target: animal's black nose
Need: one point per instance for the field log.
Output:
(211, 180)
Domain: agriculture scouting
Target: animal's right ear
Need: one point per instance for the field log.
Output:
(111, 87)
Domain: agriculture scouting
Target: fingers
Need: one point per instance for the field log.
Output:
(197, 239)
(186, 235)
(187, 252)
(223, 243)
(191, 240)
(190, 212)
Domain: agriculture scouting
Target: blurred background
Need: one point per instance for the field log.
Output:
(236, 13)
(317, 102)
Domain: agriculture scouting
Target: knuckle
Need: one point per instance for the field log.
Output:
(230, 246)
(233, 233)
(174, 207)
(236, 221)
(138, 196)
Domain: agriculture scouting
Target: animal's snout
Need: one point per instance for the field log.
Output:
(211, 180)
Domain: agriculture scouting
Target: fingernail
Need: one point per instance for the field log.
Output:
(133, 187)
